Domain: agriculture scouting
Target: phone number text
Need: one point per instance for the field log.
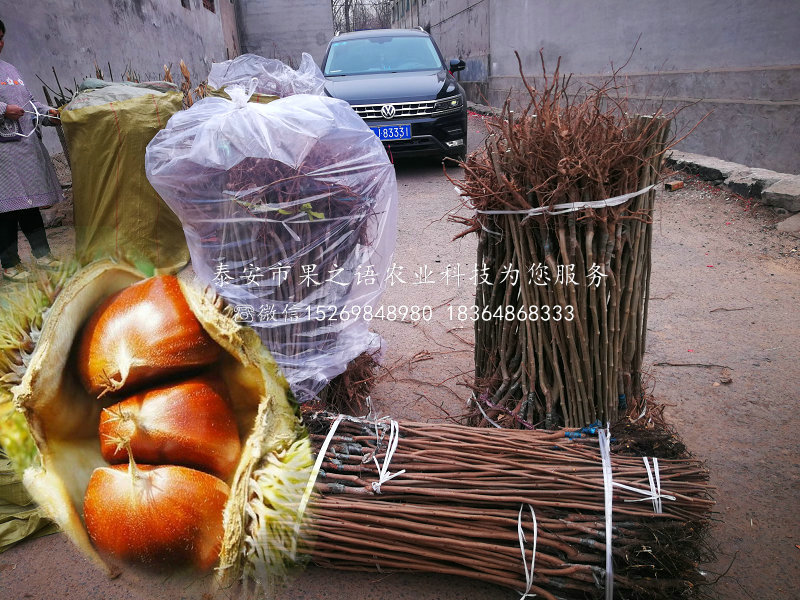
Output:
(389, 312)
(544, 312)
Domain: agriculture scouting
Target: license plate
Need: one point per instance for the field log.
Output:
(401, 131)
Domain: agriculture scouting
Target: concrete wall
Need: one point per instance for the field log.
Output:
(142, 34)
(228, 10)
(461, 30)
(734, 62)
(284, 29)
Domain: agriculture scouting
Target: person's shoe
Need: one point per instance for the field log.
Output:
(48, 261)
(17, 273)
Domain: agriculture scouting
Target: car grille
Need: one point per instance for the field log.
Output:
(402, 109)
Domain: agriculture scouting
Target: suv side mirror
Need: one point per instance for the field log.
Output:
(457, 64)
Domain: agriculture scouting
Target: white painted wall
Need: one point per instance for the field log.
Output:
(145, 34)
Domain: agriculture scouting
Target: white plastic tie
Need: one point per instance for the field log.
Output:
(560, 209)
(608, 487)
(655, 489)
(485, 416)
(521, 536)
(654, 494)
(391, 446)
(241, 95)
(312, 479)
(37, 122)
(643, 413)
(368, 402)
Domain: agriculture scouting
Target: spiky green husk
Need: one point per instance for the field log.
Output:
(15, 437)
(22, 310)
(274, 542)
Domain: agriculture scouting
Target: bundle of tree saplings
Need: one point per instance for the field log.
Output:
(167, 437)
(475, 502)
(563, 199)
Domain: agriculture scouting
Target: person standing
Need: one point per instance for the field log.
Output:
(28, 180)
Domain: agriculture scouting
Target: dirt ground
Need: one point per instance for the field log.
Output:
(724, 302)
(722, 353)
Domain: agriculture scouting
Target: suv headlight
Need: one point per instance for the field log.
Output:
(450, 103)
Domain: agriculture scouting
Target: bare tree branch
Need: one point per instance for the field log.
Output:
(353, 15)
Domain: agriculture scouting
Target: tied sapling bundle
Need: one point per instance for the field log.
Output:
(563, 197)
(468, 501)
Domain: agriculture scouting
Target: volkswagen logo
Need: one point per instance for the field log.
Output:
(387, 110)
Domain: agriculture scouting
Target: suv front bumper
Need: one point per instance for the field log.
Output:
(429, 135)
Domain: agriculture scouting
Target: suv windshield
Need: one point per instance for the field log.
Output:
(381, 54)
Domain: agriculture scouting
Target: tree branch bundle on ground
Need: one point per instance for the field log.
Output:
(561, 302)
(460, 500)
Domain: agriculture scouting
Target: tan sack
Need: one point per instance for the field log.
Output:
(118, 214)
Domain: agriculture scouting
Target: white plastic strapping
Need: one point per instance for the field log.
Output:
(568, 207)
(312, 478)
(521, 536)
(384, 474)
(604, 438)
(654, 493)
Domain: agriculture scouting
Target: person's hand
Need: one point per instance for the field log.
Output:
(53, 113)
(14, 112)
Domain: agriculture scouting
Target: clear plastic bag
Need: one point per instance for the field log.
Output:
(289, 211)
(273, 77)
